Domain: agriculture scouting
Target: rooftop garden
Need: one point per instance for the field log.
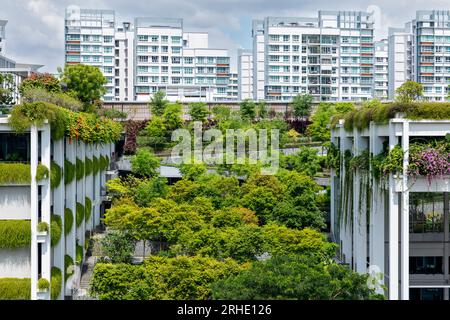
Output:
(20, 173)
(15, 234)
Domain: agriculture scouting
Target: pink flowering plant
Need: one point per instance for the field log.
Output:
(430, 161)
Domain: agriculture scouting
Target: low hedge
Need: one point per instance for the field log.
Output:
(12, 173)
(55, 283)
(15, 289)
(55, 229)
(15, 234)
(69, 171)
(69, 267)
(79, 254)
(79, 214)
(55, 175)
(43, 284)
(87, 208)
(68, 221)
(79, 169)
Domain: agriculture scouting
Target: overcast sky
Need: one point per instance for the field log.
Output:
(35, 31)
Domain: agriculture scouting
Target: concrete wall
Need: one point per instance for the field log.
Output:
(15, 263)
(15, 203)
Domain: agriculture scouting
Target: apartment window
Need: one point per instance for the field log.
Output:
(108, 59)
(176, 60)
(274, 58)
(154, 69)
(286, 58)
(155, 49)
(142, 38)
(142, 58)
(142, 79)
(108, 39)
(188, 80)
(164, 79)
(107, 69)
(164, 69)
(164, 49)
(176, 80)
(210, 60)
(165, 59)
(97, 58)
(107, 49)
(86, 58)
(164, 39)
(295, 38)
(286, 48)
(274, 48)
(273, 37)
(176, 70)
(188, 60)
(154, 38)
(142, 69)
(176, 40)
(86, 38)
(425, 265)
(73, 58)
(155, 59)
(73, 37)
(176, 49)
(286, 38)
(154, 79)
(295, 48)
(142, 49)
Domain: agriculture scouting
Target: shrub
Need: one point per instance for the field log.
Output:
(79, 254)
(144, 163)
(59, 99)
(56, 229)
(85, 127)
(43, 284)
(118, 246)
(88, 166)
(42, 226)
(68, 221)
(69, 171)
(79, 169)
(87, 208)
(55, 175)
(15, 289)
(69, 267)
(79, 213)
(55, 283)
(131, 130)
(20, 173)
(15, 234)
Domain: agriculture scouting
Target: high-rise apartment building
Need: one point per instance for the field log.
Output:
(245, 74)
(233, 87)
(381, 66)
(421, 52)
(3, 36)
(330, 57)
(151, 54)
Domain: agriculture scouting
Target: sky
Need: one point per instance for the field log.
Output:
(35, 31)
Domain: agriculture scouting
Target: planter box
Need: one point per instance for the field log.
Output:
(42, 236)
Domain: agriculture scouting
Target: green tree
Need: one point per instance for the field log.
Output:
(87, 82)
(262, 111)
(409, 91)
(172, 116)
(302, 104)
(248, 109)
(7, 88)
(158, 103)
(295, 277)
(198, 111)
(321, 119)
(118, 246)
(145, 163)
(305, 161)
(221, 113)
(193, 171)
(161, 278)
(42, 81)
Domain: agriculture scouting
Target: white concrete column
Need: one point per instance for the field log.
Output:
(58, 208)
(46, 201)
(34, 210)
(70, 195)
(377, 223)
(345, 229)
(405, 216)
(97, 186)
(89, 182)
(393, 226)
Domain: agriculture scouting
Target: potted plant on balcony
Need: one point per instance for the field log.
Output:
(42, 228)
(43, 285)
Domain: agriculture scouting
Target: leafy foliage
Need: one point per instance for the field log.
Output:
(409, 91)
(20, 173)
(247, 110)
(63, 100)
(43, 284)
(69, 171)
(158, 103)
(295, 277)
(198, 111)
(15, 289)
(118, 247)
(78, 254)
(179, 278)
(88, 208)
(144, 163)
(69, 267)
(55, 229)
(79, 214)
(68, 220)
(40, 81)
(55, 283)
(55, 175)
(88, 166)
(15, 234)
(86, 81)
(79, 169)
